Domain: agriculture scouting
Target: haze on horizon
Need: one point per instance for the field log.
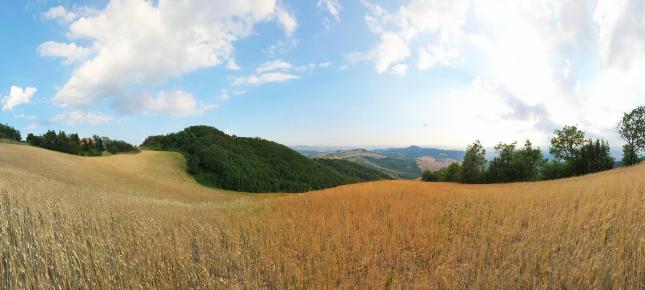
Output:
(325, 72)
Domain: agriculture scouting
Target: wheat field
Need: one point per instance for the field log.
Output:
(140, 222)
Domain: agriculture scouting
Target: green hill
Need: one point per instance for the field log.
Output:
(246, 164)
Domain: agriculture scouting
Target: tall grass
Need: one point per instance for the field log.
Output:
(586, 232)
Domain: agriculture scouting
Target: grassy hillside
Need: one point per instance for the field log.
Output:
(139, 221)
(246, 164)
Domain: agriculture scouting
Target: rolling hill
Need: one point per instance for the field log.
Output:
(406, 163)
(139, 221)
(247, 164)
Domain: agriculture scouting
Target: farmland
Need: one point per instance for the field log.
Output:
(139, 221)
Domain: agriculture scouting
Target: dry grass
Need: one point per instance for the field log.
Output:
(137, 221)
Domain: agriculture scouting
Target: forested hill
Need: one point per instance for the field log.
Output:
(247, 164)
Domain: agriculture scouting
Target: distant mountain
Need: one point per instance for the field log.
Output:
(414, 152)
(344, 154)
(398, 162)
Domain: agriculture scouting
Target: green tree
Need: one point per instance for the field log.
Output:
(629, 156)
(453, 172)
(512, 164)
(528, 162)
(98, 143)
(567, 143)
(10, 133)
(473, 167)
(632, 129)
(593, 156)
(429, 176)
(554, 169)
(501, 168)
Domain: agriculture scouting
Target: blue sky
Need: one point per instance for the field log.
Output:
(323, 72)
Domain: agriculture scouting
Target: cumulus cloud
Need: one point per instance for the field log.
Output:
(60, 13)
(137, 45)
(79, 117)
(404, 28)
(17, 96)
(580, 59)
(178, 103)
(69, 51)
(232, 65)
(621, 25)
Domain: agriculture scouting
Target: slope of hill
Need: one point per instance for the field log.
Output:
(149, 174)
(354, 170)
(246, 164)
(139, 221)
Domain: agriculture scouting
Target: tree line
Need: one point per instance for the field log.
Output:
(8, 132)
(572, 155)
(73, 144)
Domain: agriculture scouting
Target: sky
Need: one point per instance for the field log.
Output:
(324, 72)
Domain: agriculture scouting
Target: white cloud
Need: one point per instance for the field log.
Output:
(79, 117)
(552, 62)
(313, 66)
(518, 110)
(270, 77)
(398, 31)
(288, 22)
(436, 55)
(277, 71)
(325, 64)
(331, 6)
(70, 51)
(273, 66)
(17, 96)
(391, 50)
(178, 104)
(232, 65)
(621, 25)
(60, 13)
(400, 69)
(223, 95)
(138, 45)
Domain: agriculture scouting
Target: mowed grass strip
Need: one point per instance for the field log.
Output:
(138, 221)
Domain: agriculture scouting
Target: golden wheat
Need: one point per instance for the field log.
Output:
(138, 221)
